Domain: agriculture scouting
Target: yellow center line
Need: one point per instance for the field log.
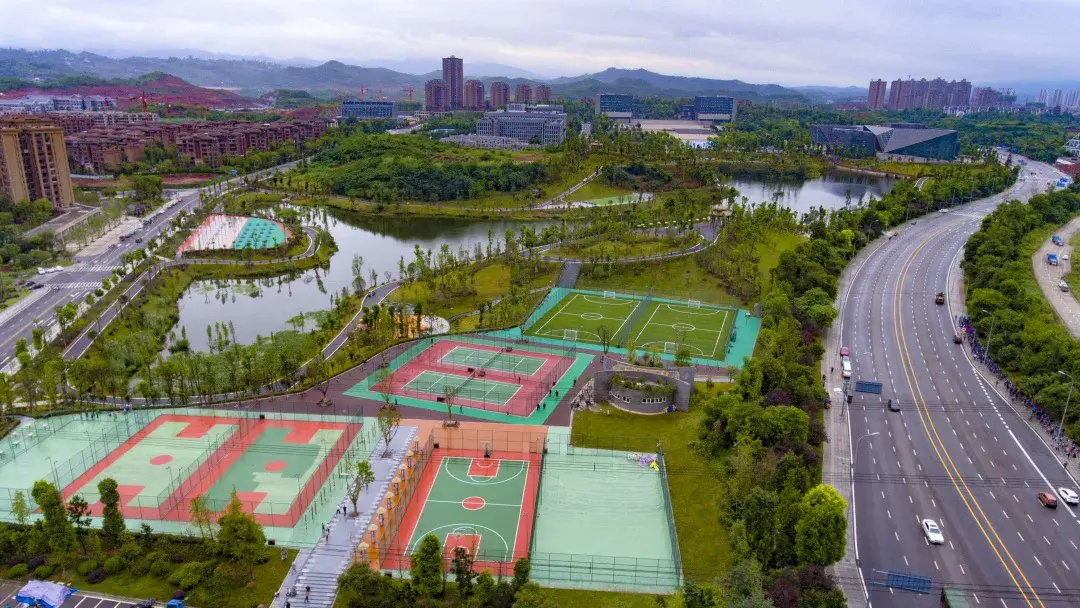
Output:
(936, 442)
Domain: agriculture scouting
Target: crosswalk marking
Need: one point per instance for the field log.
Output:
(82, 285)
(99, 268)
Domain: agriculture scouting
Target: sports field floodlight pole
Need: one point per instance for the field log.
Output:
(171, 480)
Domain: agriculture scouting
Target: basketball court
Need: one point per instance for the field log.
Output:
(484, 505)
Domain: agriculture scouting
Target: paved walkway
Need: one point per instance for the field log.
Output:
(1063, 302)
(320, 567)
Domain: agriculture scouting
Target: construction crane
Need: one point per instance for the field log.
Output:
(408, 91)
(363, 93)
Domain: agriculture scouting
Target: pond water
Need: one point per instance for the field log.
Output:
(831, 191)
(261, 306)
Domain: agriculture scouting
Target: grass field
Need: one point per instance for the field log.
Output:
(491, 282)
(633, 246)
(695, 483)
(585, 317)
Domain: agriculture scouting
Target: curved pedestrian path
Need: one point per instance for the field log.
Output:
(1049, 277)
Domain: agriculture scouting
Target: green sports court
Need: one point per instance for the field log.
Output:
(664, 324)
(484, 505)
(471, 388)
(466, 356)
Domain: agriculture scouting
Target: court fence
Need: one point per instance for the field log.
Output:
(174, 501)
(397, 513)
(523, 393)
(630, 324)
(670, 512)
(22, 439)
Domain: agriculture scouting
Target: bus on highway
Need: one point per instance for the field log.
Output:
(953, 598)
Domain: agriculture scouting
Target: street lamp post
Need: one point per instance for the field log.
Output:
(993, 322)
(1072, 381)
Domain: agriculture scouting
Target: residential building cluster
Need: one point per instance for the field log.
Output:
(34, 161)
(936, 94)
(452, 92)
(1059, 99)
(543, 125)
(42, 104)
(903, 140)
(105, 149)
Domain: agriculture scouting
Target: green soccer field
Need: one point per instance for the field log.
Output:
(702, 329)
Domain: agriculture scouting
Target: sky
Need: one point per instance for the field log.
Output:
(788, 42)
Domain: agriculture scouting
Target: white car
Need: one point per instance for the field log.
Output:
(1065, 257)
(943, 210)
(932, 532)
(1068, 496)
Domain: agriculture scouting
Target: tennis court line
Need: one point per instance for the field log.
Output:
(556, 315)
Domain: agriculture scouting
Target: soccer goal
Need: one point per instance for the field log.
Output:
(610, 294)
(570, 335)
(693, 303)
(670, 348)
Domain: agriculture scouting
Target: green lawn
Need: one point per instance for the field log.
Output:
(675, 277)
(597, 189)
(694, 483)
(580, 598)
(492, 281)
(268, 579)
(617, 250)
(769, 251)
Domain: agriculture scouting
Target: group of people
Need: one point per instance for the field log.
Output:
(1060, 441)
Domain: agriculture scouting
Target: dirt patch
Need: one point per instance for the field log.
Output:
(528, 158)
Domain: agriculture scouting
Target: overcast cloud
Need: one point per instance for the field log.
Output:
(791, 42)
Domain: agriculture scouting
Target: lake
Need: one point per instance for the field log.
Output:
(261, 306)
(832, 191)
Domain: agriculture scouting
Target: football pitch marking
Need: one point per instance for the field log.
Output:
(687, 328)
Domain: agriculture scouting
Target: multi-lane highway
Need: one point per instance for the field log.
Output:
(85, 275)
(956, 452)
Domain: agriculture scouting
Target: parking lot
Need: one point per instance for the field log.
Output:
(79, 600)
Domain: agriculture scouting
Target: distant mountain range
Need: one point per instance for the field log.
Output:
(255, 77)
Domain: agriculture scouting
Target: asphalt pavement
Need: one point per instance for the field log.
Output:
(79, 600)
(956, 452)
(1050, 276)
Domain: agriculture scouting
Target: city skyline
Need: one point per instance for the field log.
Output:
(745, 42)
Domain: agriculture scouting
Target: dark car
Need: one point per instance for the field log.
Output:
(138, 240)
(1048, 500)
(957, 339)
(939, 298)
(38, 286)
(30, 284)
(894, 406)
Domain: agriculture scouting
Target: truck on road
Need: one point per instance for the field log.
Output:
(1051, 259)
